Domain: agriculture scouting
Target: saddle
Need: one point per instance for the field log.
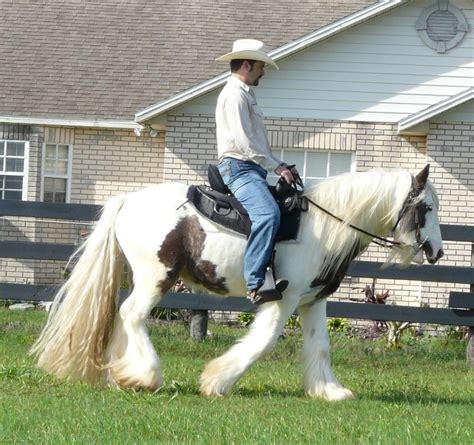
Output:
(217, 203)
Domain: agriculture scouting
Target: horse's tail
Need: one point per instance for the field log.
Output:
(74, 340)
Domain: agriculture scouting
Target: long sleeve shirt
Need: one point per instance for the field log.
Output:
(241, 132)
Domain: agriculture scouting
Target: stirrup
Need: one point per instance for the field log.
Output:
(271, 290)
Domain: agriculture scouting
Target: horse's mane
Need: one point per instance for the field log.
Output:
(369, 200)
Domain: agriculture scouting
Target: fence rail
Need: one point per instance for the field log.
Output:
(198, 302)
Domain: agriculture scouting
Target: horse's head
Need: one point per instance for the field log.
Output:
(418, 223)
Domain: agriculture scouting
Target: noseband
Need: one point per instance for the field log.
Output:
(420, 210)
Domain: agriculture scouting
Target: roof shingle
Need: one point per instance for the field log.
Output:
(107, 59)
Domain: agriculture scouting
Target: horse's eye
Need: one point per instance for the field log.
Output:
(429, 208)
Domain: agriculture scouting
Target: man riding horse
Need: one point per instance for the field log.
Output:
(244, 158)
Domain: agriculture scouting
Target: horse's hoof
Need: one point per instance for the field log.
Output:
(207, 392)
(331, 393)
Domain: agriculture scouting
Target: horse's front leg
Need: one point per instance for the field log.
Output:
(221, 373)
(319, 380)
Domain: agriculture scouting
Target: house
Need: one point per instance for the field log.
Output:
(104, 97)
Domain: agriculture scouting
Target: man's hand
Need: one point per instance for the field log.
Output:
(286, 174)
(296, 177)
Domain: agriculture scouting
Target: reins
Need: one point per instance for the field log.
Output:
(388, 243)
(385, 242)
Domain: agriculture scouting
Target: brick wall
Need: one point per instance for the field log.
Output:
(451, 155)
(105, 163)
(108, 162)
(20, 229)
(190, 145)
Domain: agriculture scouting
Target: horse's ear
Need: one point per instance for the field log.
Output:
(422, 177)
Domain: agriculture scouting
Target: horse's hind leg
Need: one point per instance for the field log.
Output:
(133, 362)
(221, 373)
(319, 380)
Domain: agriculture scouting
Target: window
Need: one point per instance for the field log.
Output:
(57, 166)
(13, 169)
(315, 165)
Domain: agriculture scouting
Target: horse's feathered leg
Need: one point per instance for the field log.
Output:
(133, 362)
(221, 373)
(143, 231)
(319, 380)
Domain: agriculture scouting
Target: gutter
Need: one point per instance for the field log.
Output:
(451, 102)
(94, 123)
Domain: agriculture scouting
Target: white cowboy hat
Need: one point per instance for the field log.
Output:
(248, 49)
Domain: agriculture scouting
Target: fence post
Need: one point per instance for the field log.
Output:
(470, 347)
(199, 324)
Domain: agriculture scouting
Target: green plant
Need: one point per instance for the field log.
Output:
(166, 314)
(337, 324)
(5, 303)
(456, 332)
(394, 329)
(293, 322)
(245, 318)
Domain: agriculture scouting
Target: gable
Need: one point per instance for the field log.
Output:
(379, 71)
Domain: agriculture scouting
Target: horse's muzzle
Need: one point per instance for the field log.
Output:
(429, 253)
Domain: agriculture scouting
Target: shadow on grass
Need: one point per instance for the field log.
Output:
(269, 391)
(415, 397)
(174, 390)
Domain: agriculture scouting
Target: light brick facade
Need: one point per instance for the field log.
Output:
(109, 162)
(190, 145)
(105, 163)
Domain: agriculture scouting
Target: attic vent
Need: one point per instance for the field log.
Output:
(442, 26)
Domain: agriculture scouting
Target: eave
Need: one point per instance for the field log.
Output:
(90, 123)
(414, 123)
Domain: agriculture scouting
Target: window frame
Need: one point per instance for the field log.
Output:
(67, 176)
(26, 166)
(279, 152)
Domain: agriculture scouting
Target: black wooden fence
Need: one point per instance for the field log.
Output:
(459, 312)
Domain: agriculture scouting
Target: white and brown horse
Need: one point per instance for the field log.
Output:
(89, 338)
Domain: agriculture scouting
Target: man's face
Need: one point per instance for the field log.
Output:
(255, 73)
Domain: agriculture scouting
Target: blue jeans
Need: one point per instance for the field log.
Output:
(247, 181)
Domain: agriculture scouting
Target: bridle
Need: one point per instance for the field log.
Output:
(421, 209)
(420, 212)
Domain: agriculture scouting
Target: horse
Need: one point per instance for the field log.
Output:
(162, 238)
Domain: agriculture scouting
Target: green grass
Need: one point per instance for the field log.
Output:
(422, 393)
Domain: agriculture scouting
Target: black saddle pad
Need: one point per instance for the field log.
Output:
(227, 211)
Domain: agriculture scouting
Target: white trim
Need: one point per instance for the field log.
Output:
(43, 151)
(447, 104)
(67, 176)
(68, 122)
(181, 98)
(303, 168)
(277, 54)
(26, 167)
(24, 193)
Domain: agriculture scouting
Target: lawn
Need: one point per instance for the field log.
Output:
(421, 393)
